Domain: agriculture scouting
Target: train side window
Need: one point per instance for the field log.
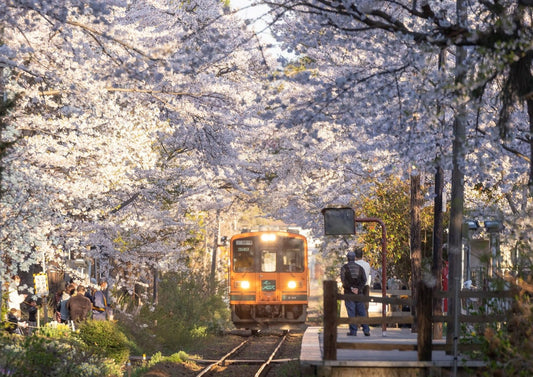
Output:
(268, 261)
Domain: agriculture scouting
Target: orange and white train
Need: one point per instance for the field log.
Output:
(268, 280)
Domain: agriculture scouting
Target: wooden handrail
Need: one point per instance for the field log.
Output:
(386, 300)
(332, 320)
(478, 294)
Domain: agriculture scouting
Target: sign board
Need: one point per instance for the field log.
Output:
(41, 284)
(339, 221)
(268, 285)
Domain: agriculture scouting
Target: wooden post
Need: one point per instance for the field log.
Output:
(44, 304)
(424, 311)
(330, 319)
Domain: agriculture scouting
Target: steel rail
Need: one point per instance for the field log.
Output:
(220, 361)
(267, 363)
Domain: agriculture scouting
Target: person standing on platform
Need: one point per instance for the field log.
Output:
(366, 266)
(353, 280)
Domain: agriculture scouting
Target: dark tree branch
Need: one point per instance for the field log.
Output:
(125, 204)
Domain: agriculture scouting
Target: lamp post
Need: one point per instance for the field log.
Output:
(494, 227)
(469, 226)
(341, 221)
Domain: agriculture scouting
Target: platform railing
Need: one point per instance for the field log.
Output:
(424, 320)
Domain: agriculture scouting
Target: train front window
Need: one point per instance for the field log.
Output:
(293, 261)
(268, 261)
(243, 256)
(281, 254)
(293, 255)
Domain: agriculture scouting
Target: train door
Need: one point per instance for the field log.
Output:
(268, 290)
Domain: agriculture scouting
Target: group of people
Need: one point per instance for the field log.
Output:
(77, 303)
(355, 278)
(74, 303)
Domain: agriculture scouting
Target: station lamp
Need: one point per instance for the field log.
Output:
(493, 226)
(472, 224)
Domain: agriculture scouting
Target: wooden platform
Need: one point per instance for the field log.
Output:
(385, 362)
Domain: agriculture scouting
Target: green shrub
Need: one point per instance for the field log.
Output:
(178, 357)
(187, 311)
(44, 356)
(508, 349)
(105, 339)
(55, 330)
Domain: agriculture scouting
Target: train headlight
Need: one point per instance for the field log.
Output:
(292, 284)
(268, 237)
(245, 284)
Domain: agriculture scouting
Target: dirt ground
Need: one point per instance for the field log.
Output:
(217, 347)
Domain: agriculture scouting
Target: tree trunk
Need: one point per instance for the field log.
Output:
(457, 194)
(529, 103)
(436, 267)
(416, 244)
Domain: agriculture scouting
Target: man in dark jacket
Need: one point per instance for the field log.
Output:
(79, 305)
(353, 279)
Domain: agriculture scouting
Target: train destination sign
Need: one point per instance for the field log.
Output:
(244, 242)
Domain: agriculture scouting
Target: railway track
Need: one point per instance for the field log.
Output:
(254, 356)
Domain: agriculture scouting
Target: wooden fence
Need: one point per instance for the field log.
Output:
(424, 320)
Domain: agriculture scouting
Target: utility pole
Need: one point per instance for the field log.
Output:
(215, 249)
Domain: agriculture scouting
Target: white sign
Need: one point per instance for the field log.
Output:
(41, 284)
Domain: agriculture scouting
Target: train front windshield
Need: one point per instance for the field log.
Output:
(283, 254)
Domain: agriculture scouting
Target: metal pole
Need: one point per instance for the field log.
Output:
(215, 248)
(468, 273)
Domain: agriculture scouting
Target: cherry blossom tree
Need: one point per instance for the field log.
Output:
(127, 124)
(136, 122)
(375, 69)
(369, 74)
